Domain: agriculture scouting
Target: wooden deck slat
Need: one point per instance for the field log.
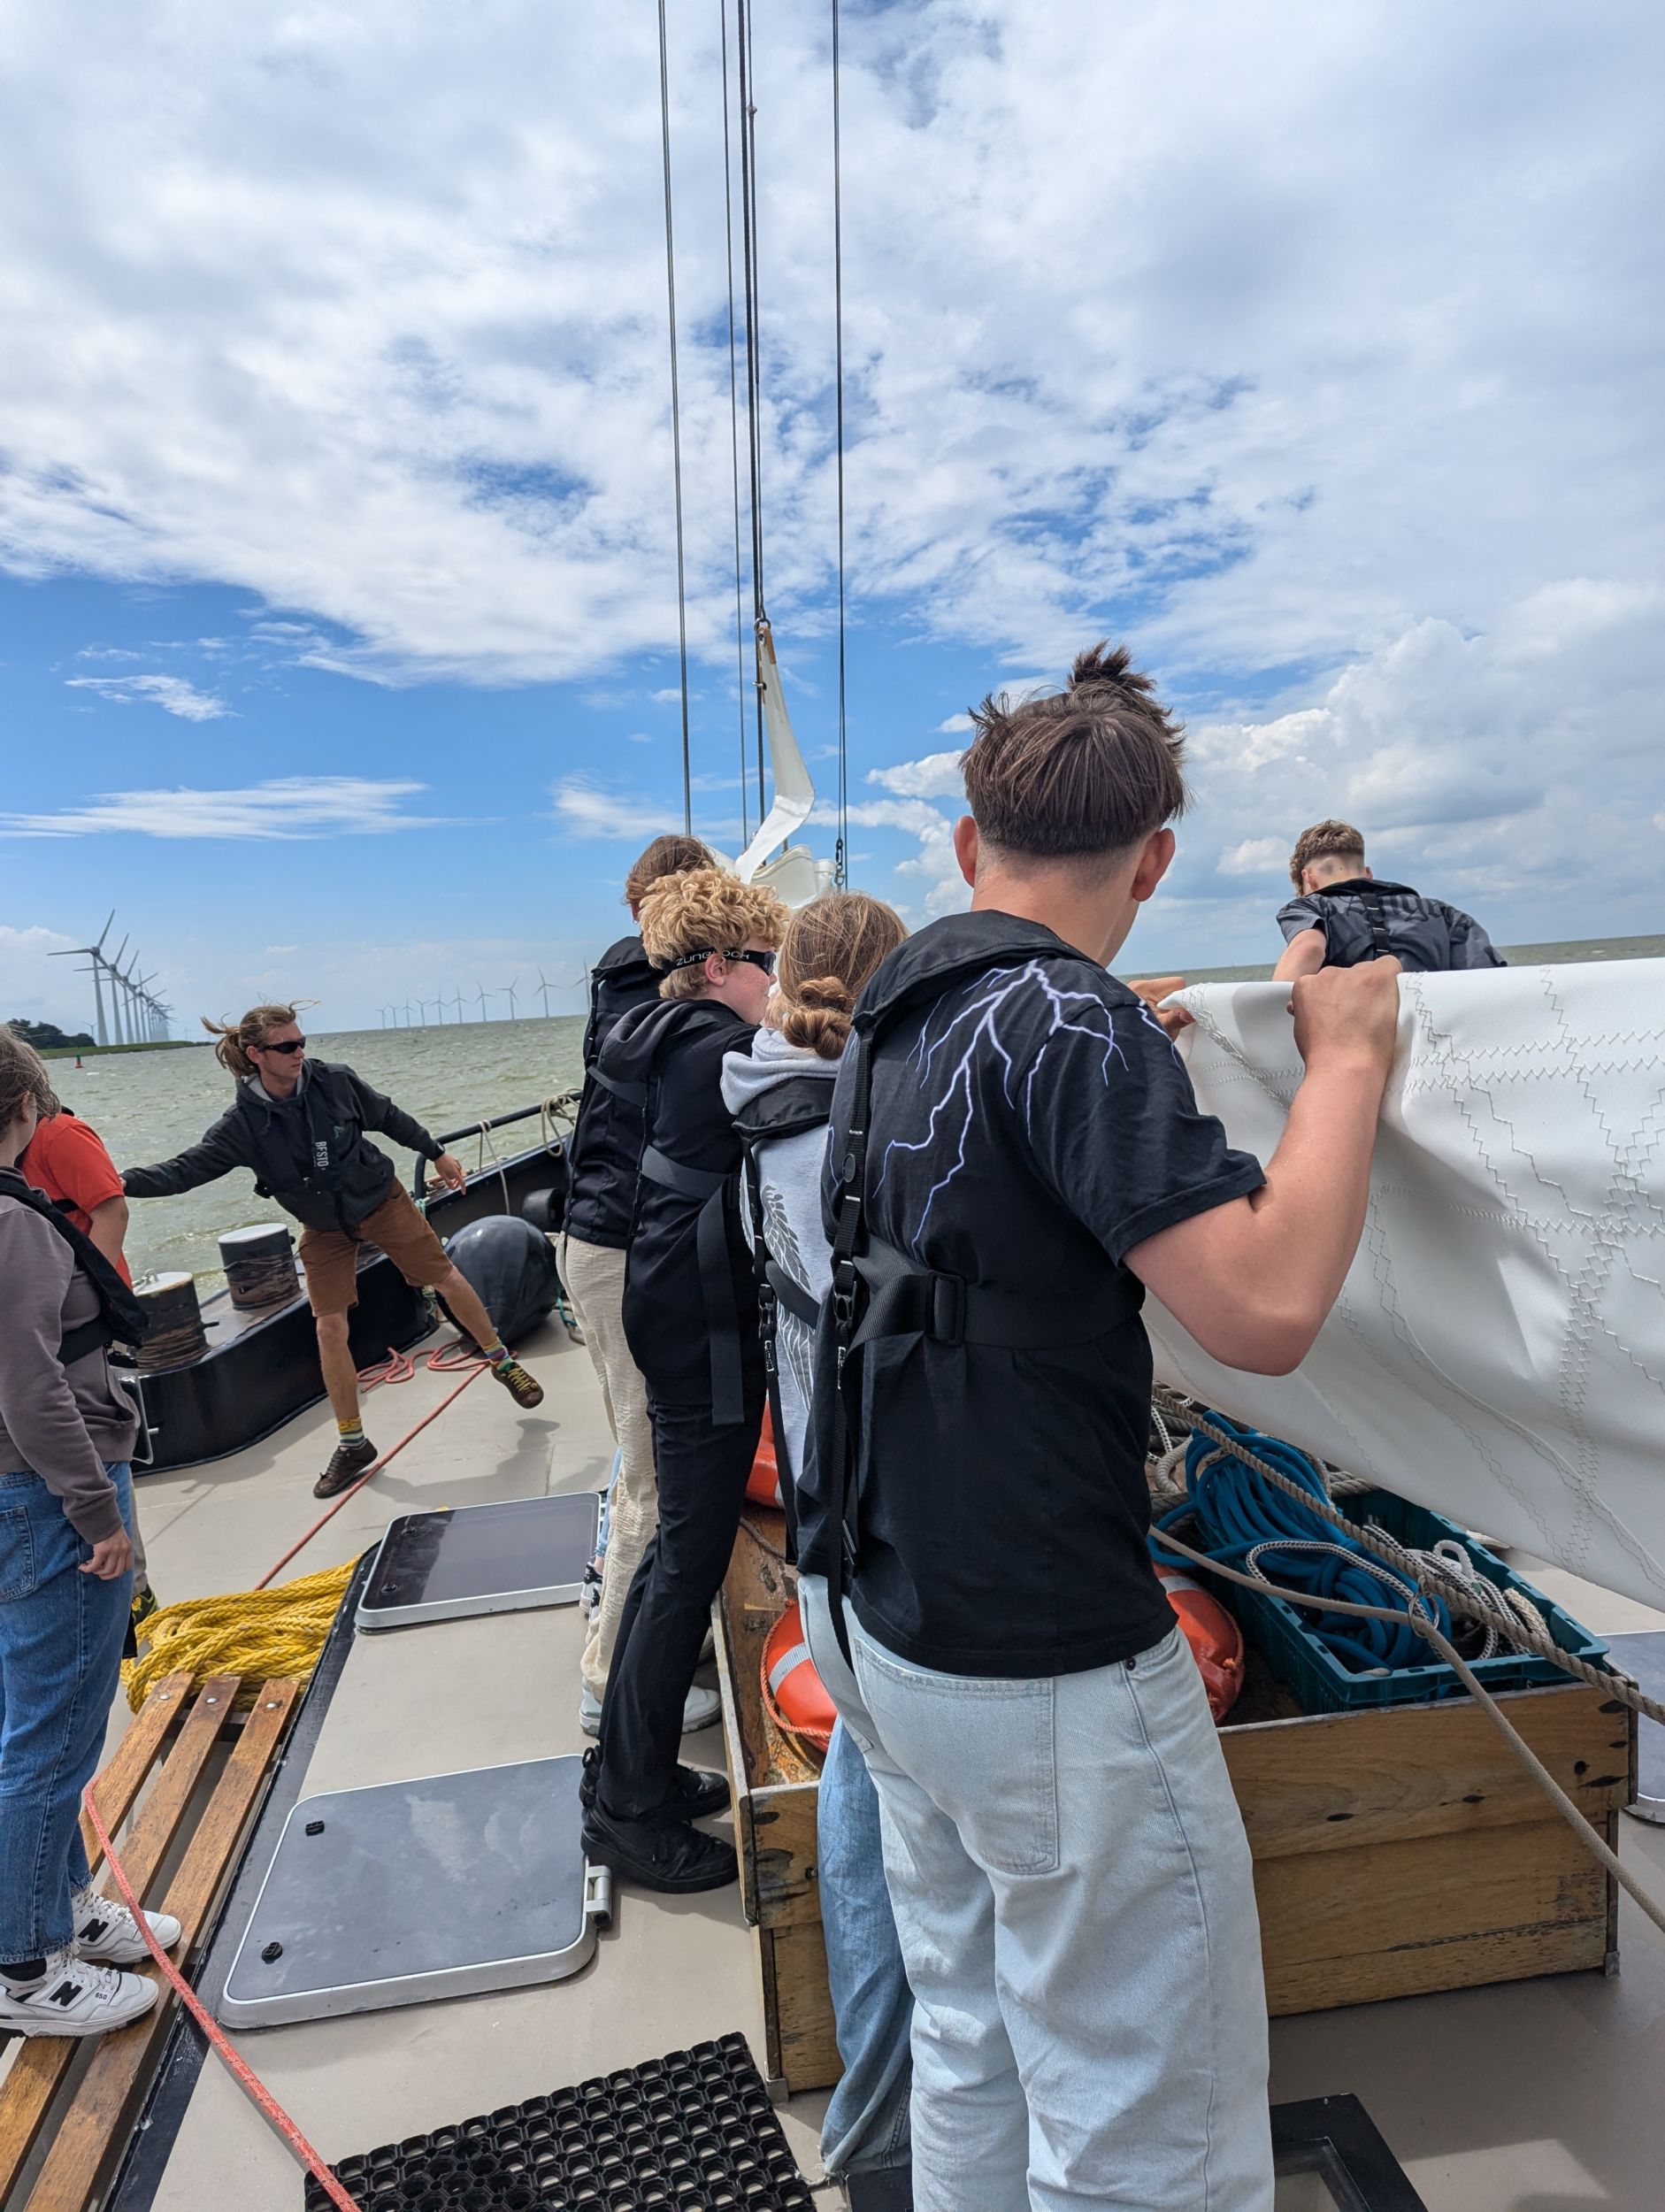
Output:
(124, 1778)
(39, 2069)
(92, 2127)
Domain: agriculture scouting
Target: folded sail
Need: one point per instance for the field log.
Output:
(1499, 1349)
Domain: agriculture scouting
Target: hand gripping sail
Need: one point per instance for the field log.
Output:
(794, 873)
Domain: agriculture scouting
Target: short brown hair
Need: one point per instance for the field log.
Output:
(23, 1075)
(672, 855)
(1324, 841)
(703, 911)
(831, 948)
(1079, 773)
(232, 1040)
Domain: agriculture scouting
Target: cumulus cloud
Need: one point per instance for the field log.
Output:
(935, 777)
(1255, 857)
(288, 808)
(587, 810)
(173, 694)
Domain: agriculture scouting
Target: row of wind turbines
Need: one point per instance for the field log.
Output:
(413, 1013)
(136, 1016)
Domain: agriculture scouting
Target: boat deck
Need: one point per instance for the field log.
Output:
(1532, 2097)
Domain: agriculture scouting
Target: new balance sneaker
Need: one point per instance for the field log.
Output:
(106, 1931)
(73, 1997)
(346, 1463)
(522, 1388)
(699, 1708)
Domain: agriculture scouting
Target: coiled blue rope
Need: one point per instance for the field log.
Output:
(1246, 1523)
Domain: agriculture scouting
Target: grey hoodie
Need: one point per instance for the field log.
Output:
(791, 1194)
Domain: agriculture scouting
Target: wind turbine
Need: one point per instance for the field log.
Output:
(543, 993)
(409, 1011)
(509, 992)
(96, 954)
(480, 995)
(458, 1003)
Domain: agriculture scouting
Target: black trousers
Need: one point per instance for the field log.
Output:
(700, 1471)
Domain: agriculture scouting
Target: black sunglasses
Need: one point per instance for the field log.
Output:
(289, 1044)
(763, 960)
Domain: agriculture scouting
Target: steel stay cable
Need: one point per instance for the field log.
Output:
(734, 440)
(838, 330)
(1506, 1612)
(1511, 1735)
(676, 418)
(754, 363)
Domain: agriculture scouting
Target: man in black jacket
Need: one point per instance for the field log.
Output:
(300, 1125)
(1342, 914)
(603, 1160)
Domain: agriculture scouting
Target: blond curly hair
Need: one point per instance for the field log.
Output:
(705, 910)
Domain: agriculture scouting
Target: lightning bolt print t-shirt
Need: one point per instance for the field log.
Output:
(1031, 1124)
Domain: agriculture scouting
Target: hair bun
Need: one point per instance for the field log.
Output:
(825, 993)
(1103, 664)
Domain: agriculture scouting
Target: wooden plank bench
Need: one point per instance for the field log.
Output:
(1397, 1852)
(169, 1745)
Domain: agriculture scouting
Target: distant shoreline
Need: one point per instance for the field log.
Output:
(103, 1052)
(1575, 952)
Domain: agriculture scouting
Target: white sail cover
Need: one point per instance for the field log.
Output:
(795, 792)
(1499, 1349)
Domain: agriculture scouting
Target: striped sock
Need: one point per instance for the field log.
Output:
(498, 1353)
(351, 1432)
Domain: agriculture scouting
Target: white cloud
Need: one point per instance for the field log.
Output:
(935, 777)
(173, 694)
(288, 808)
(954, 722)
(1255, 857)
(586, 810)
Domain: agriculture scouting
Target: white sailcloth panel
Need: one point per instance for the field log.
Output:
(1499, 1349)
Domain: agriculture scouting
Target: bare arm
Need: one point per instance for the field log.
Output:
(1253, 1279)
(109, 1228)
(1303, 954)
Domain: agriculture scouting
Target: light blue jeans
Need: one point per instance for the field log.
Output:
(60, 1667)
(1073, 1894)
(866, 2121)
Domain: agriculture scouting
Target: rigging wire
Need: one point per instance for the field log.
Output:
(841, 855)
(734, 440)
(676, 418)
(743, 22)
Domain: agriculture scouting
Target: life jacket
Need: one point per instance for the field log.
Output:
(794, 1696)
(606, 1141)
(790, 1108)
(879, 1290)
(1215, 1638)
(120, 1318)
(1365, 918)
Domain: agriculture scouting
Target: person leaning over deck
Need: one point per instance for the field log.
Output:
(1016, 1153)
(66, 1437)
(602, 1159)
(301, 1125)
(776, 1091)
(690, 1311)
(1341, 915)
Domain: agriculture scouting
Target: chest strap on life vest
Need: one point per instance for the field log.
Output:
(633, 1094)
(712, 1191)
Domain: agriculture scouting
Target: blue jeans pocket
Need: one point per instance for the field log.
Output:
(16, 1554)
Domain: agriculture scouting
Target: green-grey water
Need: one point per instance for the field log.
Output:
(148, 1106)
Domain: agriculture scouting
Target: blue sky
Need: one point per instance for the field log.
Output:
(1314, 351)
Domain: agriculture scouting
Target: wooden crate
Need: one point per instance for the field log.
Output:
(1396, 1852)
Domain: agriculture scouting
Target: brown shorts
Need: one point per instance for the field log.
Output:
(330, 1256)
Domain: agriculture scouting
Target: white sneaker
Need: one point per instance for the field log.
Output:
(106, 1931)
(701, 1708)
(75, 1997)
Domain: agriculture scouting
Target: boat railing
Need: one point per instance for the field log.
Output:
(548, 1110)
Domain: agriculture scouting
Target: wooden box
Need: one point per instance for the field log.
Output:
(1396, 1852)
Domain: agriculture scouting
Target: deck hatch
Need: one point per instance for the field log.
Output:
(444, 1887)
(498, 1558)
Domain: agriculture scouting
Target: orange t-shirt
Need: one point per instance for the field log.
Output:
(67, 1160)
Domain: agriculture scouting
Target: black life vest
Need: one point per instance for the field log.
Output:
(879, 1290)
(787, 1108)
(120, 1318)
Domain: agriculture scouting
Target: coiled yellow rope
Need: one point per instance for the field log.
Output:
(257, 1634)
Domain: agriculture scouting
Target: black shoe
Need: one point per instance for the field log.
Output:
(671, 1855)
(880, 2189)
(697, 1793)
(346, 1463)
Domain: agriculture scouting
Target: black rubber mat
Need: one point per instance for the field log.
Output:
(693, 2131)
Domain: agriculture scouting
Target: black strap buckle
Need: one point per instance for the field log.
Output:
(946, 1309)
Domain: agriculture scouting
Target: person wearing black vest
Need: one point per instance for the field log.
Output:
(301, 1125)
(1341, 914)
(1015, 1156)
(67, 1437)
(602, 1159)
(690, 1314)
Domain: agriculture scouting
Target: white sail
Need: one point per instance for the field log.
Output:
(1498, 1351)
(794, 874)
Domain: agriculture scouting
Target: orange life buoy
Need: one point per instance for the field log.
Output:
(763, 1485)
(1215, 1638)
(794, 1697)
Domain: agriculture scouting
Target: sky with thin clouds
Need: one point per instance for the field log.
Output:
(1314, 351)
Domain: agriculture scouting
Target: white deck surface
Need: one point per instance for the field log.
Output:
(1538, 2097)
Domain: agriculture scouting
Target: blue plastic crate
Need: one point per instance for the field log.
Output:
(1322, 1684)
